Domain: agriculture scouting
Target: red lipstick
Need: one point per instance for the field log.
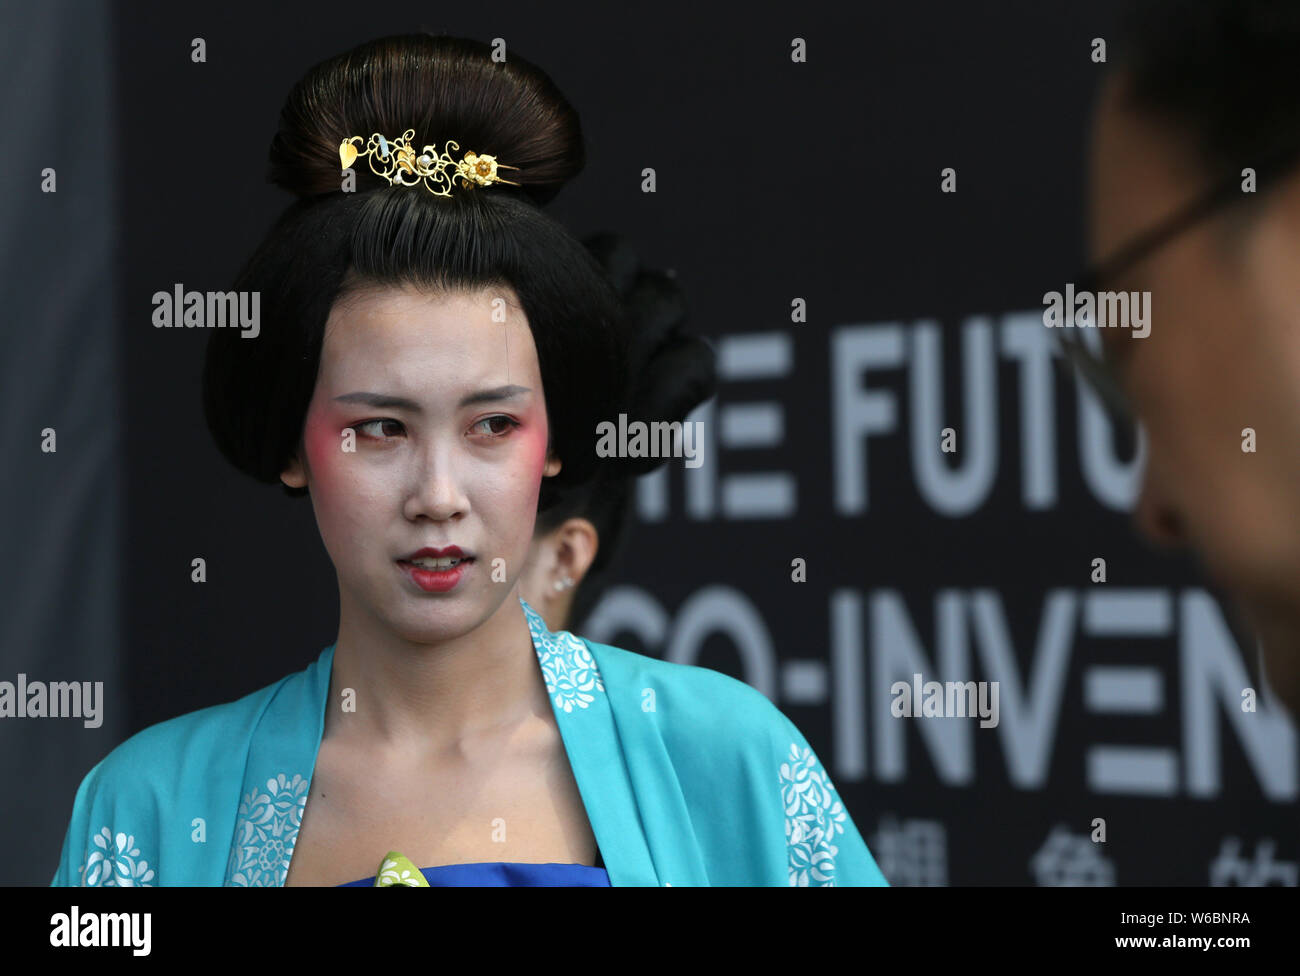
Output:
(435, 580)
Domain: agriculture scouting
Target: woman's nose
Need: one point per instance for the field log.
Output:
(436, 492)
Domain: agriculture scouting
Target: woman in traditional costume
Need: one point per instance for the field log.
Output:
(435, 355)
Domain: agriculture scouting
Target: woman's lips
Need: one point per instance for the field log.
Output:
(435, 580)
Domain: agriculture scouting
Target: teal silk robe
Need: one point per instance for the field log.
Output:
(688, 777)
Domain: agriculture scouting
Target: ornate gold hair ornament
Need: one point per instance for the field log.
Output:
(437, 171)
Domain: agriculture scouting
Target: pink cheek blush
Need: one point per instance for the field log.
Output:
(535, 449)
(324, 446)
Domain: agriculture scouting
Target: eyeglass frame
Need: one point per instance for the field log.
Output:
(1100, 374)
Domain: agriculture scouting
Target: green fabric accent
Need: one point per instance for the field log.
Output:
(397, 871)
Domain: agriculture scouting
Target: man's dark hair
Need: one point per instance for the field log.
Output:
(1225, 74)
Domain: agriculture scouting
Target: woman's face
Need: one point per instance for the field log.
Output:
(427, 429)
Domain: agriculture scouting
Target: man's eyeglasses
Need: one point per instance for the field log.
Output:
(1099, 374)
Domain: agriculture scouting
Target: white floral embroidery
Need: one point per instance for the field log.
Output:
(813, 816)
(389, 876)
(116, 863)
(568, 667)
(265, 833)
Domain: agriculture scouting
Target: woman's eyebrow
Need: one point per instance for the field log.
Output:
(379, 400)
(508, 392)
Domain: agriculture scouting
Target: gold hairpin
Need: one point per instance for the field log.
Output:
(437, 171)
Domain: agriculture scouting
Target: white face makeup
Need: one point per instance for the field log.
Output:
(427, 429)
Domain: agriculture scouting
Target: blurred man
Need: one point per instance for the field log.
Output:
(1195, 198)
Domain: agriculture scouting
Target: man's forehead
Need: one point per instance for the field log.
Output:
(1140, 173)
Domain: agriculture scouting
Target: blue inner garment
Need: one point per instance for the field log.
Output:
(508, 874)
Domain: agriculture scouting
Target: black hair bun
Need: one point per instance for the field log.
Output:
(443, 88)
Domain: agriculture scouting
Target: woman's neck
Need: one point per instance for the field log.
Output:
(426, 701)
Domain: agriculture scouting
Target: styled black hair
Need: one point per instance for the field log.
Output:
(1224, 73)
(673, 372)
(256, 391)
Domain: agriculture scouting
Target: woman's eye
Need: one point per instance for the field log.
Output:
(375, 430)
(508, 422)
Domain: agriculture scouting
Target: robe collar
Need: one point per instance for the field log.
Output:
(286, 741)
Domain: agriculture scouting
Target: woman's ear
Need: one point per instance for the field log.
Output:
(293, 474)
(553, 465)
